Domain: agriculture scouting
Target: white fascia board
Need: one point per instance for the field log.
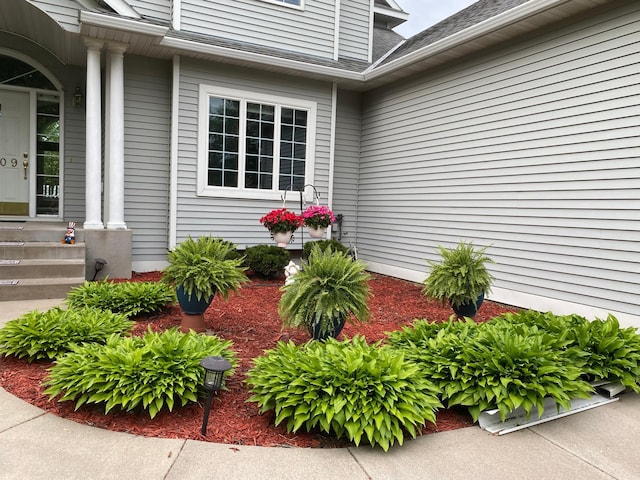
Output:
(250, 57)
(505, 18)
(389, 12)
(126, 24)
(122, 8)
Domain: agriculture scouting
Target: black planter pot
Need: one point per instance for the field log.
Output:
(192, 306)
(335, 327)
(469, 309)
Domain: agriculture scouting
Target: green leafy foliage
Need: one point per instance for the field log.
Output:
(499, 365)
(331, 284)
(151, 372)
(128, 298)
(364, 392)
(460, 276)
(46, 335)
(332, 243)
(205, 266)
(267, 261)
(608, 351)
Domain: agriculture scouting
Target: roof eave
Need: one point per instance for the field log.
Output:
(460, 38)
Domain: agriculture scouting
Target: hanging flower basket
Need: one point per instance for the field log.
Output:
(317, 218)
(282, 221)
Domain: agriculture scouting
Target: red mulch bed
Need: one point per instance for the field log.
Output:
(251, 321)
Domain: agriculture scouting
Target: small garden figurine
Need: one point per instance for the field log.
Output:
(70, 234)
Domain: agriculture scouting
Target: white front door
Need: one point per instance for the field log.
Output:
(14, 153)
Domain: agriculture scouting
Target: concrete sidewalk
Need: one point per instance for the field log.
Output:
(601, 443)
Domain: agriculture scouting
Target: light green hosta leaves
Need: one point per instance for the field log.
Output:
(367, 393)
(128, 298)
(519, 359)
(150, 372)
(46, 335)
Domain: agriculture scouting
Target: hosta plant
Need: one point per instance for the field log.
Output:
(499, 365)
(46, 335)
(128, 298)
(367, 393)
(151, 372)
(608, 351)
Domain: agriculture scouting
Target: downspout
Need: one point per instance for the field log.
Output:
(176, 13)
(371, 18)
(332, 143)
(173, 153)
(336, 32)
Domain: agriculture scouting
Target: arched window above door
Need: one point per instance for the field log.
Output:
(18, 73)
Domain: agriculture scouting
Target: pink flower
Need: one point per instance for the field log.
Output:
(318, 216)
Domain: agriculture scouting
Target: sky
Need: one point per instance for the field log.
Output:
(425, 13)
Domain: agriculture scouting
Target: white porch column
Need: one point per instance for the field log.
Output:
(93, 140)
(115, 139)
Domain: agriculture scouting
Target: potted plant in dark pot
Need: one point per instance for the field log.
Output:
(460, 278)
(330, 289)
(199, 269)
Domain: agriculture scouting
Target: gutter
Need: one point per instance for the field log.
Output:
(489, 25)
(119, 23)
(258, 58)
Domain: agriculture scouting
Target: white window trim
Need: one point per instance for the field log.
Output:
(288, 5)
(205, 190)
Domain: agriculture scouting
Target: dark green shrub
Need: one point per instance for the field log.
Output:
(128, 298)
(150, 372)
(334, 244)
(364, 392)
(267, 261)
(46, 335)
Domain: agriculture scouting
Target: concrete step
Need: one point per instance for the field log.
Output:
(36, 288)
(18, 250)
(36, 231)
(41, 268)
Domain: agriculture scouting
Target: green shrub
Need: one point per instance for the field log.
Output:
(608, 351)
(332, 243)
(267, 261)
(497, 365)
(364, 392)
(150, 372)
(46, 335)
(128, 298)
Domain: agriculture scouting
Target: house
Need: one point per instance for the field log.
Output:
(513, 123)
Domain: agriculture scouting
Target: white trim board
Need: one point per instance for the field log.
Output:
(517, 420)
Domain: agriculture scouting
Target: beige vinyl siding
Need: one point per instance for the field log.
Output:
(355, 17)
(147, 135)
(64, 12)
(152, 8)
(532, 150)
(309, 31)
(347, 154)
(235, 219)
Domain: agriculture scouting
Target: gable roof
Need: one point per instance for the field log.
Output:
(468, 17)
